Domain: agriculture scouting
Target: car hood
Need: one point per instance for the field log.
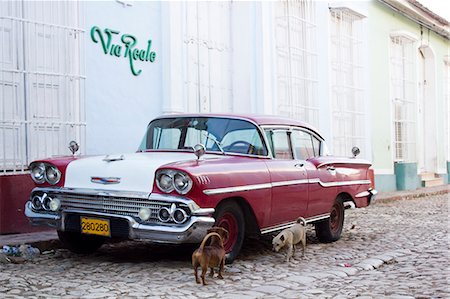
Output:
(128, 172)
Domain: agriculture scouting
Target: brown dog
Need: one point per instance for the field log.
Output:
(212, 255)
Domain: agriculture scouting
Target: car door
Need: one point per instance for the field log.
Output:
(321, 175)
(288, 177)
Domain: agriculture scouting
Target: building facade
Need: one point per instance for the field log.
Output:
(367, 74)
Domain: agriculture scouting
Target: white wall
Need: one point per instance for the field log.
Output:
(119, 105)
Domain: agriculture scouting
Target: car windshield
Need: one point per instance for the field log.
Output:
(222, 135)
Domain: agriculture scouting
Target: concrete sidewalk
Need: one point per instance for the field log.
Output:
(48, 239)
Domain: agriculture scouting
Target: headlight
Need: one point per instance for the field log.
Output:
(52, 175)
(167, 180)
(38, 172)
(182, 182)
(164, 181)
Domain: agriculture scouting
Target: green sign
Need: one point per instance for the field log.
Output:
(127, 48)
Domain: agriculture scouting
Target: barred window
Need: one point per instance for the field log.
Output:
(296, 58)
(403, 97)
(347, 92)
(41, 81)
(208, 65)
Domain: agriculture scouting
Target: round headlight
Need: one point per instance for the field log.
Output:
(182, 182)
(164, 214)
(164, 182)
(38, 172)
(46, 202)
(36, 202)
(179, 216)
(52, 175)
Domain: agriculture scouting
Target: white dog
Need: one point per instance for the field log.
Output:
(289, 237)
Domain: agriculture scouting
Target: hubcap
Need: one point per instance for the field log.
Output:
(335, 223)
(229, 222)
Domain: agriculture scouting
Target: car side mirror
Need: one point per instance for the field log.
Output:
(199, 150)
(355, 151)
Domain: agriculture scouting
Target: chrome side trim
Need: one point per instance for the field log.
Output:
(290, 224)
(287, 183)
(345, 183)
(283, 183)
(237, 189)
(349, 161)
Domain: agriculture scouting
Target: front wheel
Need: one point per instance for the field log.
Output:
(230, 217)
(80, 243)
(330, 230)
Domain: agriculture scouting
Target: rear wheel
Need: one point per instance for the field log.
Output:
(230, 217)
(330, 230)
(80, 243)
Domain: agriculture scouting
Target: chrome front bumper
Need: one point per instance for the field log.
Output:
(192, 231)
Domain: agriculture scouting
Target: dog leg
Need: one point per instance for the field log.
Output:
(196, 275)
(222, 265)
(204, 269)
(289, 253)
(211, 272)
(303, 246)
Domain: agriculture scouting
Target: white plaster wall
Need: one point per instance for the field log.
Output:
(119, 105)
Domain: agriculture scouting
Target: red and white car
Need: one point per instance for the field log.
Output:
(252, 175)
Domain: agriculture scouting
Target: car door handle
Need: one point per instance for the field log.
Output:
(331, 168)
(299, 165)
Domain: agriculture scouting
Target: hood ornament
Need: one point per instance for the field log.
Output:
(74, 147)
(199, 150)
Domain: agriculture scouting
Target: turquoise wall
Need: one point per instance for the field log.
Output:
(382, 22)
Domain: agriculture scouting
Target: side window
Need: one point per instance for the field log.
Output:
(279, 141)
(302, 143)
(316, 146)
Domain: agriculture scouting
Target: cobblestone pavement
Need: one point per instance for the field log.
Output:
(399, 249)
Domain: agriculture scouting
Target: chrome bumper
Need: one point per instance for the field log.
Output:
(192, 231)
(370, 194)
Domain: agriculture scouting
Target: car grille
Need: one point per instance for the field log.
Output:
(123, 206)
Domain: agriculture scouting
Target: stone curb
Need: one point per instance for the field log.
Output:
(407, 195)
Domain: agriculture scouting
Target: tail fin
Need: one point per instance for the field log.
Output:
(301, 220)
(207, 237)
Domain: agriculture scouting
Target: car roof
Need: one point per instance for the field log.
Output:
(262, 120)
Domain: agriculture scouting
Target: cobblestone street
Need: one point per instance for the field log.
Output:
(397, 249)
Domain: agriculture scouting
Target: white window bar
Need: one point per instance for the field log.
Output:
(208, 62)
(41, 81)
(296, 53)
(446, 92)
(404, 97)
(347, 92)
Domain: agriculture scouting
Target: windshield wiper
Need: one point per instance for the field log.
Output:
(219, 145)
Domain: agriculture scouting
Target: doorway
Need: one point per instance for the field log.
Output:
(427, 136)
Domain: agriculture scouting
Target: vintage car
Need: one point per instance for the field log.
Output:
(252, 175)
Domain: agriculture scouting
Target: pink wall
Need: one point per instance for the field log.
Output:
(14, 192)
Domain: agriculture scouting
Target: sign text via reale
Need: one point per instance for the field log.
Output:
(127, 47)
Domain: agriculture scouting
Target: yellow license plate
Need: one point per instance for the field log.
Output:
(95, 226)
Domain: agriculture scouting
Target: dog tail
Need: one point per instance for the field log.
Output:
(207, 237)
(301, 220)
